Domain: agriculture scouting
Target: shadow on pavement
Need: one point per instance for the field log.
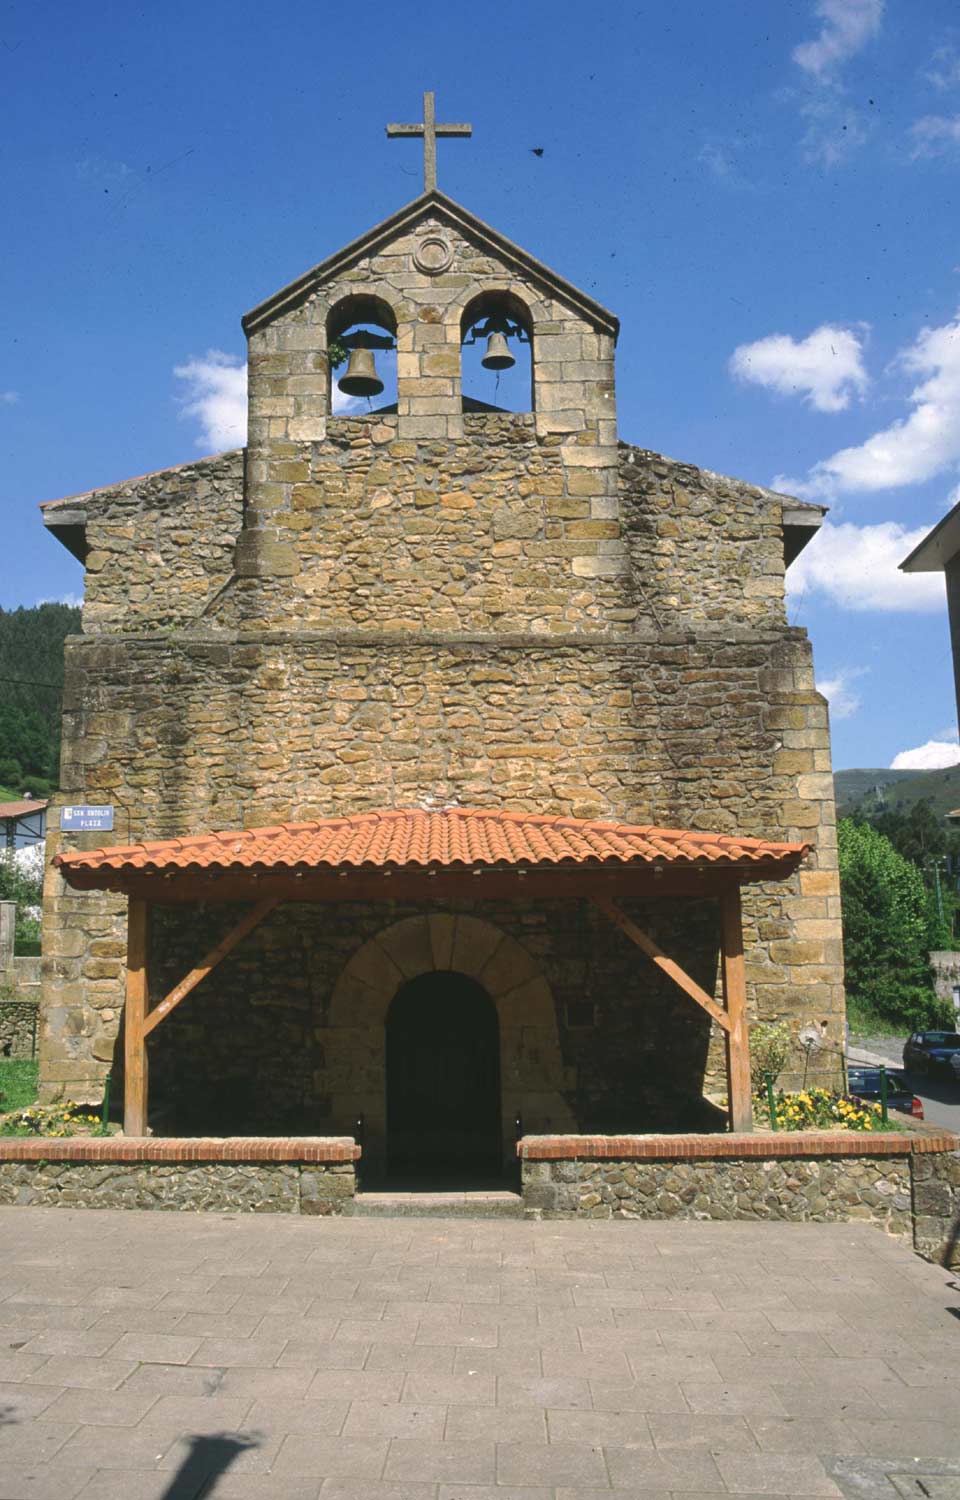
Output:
(207, 1457)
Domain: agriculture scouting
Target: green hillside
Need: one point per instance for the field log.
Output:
(31, 685)
(897, 791)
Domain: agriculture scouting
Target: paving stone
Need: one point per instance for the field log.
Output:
(101, 1447)
(421, 1359)
(742, 1398)
(21, 1403)
(523, 1362)
(16, 1366)
(774, 1474)
(663, 1396)
(498, 1424)
(46, 1482)
(36, 1442)
(557, 1463)
(303, 1417)
(451, 1463)
(203, 1413)
(84, 1371)
(453, 1390)
(90, 1341)
(674, 1471)
(891, 1438)
(683, 1430)
(144, 1484)
(155, 1348)
(237, 1353)
(357, 1385)
(391, 1419)
(331, 1457)
(120, 1408)
(556, 1392)
(496, 1492)
(599, 1427)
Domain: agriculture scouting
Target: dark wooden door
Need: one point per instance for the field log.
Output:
(443, 1077)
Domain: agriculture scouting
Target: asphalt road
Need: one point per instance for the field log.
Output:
(940, 1095)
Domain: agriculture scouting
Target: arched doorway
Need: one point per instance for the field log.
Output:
(443, 1078)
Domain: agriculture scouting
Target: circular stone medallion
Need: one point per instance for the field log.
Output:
(433, 255)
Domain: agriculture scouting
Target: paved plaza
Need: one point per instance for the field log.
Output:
(149, 1355)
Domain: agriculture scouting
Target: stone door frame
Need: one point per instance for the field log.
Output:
(534, 1082)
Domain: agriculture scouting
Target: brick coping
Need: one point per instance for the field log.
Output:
(693, 1147)
(309, 1150)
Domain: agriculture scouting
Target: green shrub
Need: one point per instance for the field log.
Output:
(770, 1043)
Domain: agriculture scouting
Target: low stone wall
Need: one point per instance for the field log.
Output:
(936, 1207)
(907, 1183)
(253, 1175)
(18, 1029)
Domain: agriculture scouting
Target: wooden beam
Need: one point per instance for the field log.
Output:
(735, 999)
(135, 1081)
(180, 991)
(662, 960)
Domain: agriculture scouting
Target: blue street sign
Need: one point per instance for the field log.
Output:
(83, 818)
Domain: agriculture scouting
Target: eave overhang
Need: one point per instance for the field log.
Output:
(938, 547)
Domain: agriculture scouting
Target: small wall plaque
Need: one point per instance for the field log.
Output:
(87, 818)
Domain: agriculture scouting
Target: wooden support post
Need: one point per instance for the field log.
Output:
(735, 1000)
(135, 1014)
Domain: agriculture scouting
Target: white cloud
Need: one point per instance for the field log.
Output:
(848, 26)
(856, 568)
(839, 693)
(835, 130)
(74, 600)
(944, 69)
(9, 398)
(825, 368)
(935, 755)
(913, 448)
(935, 135)
(216, 395)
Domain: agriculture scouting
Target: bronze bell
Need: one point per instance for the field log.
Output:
(361, 378)
(498, 356)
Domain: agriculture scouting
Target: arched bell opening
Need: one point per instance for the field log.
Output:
(362, 357)
(496, 337)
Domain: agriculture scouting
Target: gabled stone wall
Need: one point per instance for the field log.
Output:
(508, 610)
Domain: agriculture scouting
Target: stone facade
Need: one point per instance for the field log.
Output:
(508, 610)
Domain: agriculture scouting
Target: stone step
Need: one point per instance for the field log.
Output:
(491, 1205)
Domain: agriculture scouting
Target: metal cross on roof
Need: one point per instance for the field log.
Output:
(429, 130)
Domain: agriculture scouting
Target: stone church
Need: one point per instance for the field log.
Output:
(441, 740)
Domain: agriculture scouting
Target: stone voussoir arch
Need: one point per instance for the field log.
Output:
(534, 1081)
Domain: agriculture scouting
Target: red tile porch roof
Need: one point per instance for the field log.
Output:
(459, 838)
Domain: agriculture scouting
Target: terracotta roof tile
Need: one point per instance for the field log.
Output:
(411, 838)
(21, 808)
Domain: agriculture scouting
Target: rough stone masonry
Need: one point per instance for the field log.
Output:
(437, 604)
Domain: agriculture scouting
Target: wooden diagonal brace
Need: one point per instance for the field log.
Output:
(247, 923)
(669, 965)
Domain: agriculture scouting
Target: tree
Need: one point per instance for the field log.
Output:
(889, 927)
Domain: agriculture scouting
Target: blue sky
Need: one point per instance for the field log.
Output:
(765, 193)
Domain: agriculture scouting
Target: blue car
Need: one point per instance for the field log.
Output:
(931, 1051)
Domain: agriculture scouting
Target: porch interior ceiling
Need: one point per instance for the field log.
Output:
(416, 843)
